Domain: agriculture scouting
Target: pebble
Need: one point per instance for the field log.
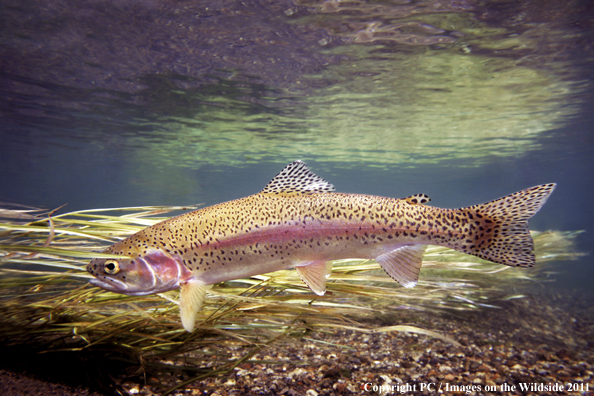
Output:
(494, 350)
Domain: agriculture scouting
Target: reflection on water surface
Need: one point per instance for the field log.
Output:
(222, 83)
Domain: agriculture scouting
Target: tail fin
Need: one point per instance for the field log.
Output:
(501, 232)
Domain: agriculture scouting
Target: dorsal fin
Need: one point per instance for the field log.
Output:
(296, 178)
(417, 199)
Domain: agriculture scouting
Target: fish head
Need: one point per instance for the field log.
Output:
(152, 272)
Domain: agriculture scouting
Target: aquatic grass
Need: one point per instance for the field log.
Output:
(45, 299)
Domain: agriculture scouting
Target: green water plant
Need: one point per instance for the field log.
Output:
(45, 299)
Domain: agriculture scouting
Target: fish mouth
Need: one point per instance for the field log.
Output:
(117, 286)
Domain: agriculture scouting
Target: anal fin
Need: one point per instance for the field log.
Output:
(314, 275)
(190, 301)
(403, 264)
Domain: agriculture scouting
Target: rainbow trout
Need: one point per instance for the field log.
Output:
(297, 221)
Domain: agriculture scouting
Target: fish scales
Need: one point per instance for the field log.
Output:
(280, 232)
(298, 221)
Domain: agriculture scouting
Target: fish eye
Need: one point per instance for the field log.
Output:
(112, 267)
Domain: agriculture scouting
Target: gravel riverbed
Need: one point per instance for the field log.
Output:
(539, 345)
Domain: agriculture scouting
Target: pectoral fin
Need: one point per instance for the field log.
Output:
(314, 275)
(191, 299)
(403, 264)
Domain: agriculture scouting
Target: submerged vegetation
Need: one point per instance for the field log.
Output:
(45, 300)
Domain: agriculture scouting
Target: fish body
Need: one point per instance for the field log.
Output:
(297, 221)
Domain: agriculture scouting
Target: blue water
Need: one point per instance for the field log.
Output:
(150, 104)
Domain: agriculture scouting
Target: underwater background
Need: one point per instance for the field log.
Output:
(135, 103)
